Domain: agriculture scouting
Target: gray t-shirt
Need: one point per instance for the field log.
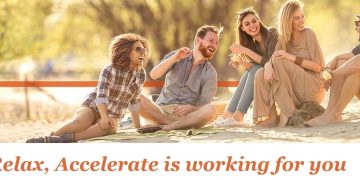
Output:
(356, 50)
(181, 87)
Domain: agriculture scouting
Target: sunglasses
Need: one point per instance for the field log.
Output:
(141, 50)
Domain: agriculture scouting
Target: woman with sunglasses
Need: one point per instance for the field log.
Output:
(257, 42)
(118, 89)
(344, 78)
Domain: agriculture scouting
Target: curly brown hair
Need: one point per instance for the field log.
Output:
(121, 47)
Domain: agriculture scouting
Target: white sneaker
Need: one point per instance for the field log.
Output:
(219, 119)
(229, 122)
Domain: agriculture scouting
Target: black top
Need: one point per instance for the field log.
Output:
(270, 43)
(356, 50)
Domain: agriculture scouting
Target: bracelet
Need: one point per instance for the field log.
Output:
(299, 60)
(326, 74)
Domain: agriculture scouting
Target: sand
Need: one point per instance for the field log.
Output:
(15, 131)
(346, 132)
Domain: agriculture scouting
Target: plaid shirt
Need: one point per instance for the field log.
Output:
(117, 88)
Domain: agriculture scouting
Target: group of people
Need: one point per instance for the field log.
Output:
(284, 71)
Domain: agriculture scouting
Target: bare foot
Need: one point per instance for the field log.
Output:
(283, 120)
(227, 114)
(324, 119)
(166, 128)
(268, 123)
(238, 116)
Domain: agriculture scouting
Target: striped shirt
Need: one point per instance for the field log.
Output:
(117, 88)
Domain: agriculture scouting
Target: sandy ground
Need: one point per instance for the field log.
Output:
(18, 131)
(347, 132)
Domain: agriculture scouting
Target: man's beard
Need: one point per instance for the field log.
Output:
(205, 52)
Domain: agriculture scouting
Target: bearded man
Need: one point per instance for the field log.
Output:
(190, 85)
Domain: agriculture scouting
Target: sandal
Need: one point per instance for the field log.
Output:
(265, 122)
(148, 129)
(45, 139)
(260, 120)
(65, 138)
(36, 140)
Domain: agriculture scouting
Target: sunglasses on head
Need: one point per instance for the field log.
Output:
(141, 50)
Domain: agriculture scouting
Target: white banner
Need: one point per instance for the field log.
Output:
(178, 161)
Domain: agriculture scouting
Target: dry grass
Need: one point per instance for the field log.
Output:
(41, 106)
(44, 111)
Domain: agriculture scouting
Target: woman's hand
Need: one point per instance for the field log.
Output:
(236, 64)
(282, 54)
(105, 123)
(332, 64)
(237, 49)
(268, 73)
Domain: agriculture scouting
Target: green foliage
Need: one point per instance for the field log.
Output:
(48, 29)
(22, 27)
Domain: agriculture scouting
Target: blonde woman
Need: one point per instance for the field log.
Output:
(292, 76)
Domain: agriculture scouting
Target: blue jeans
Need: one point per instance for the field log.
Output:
(244, 94)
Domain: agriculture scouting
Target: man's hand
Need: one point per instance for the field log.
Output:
(183, 110)
(182, 53)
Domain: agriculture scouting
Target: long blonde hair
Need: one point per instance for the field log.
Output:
(285, 20)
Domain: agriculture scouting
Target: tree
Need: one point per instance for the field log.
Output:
(22, 27)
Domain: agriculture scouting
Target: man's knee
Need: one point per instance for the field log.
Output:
(143, 99)
(357, 61)
(340, 62)
(145, 102)
(208, 111)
